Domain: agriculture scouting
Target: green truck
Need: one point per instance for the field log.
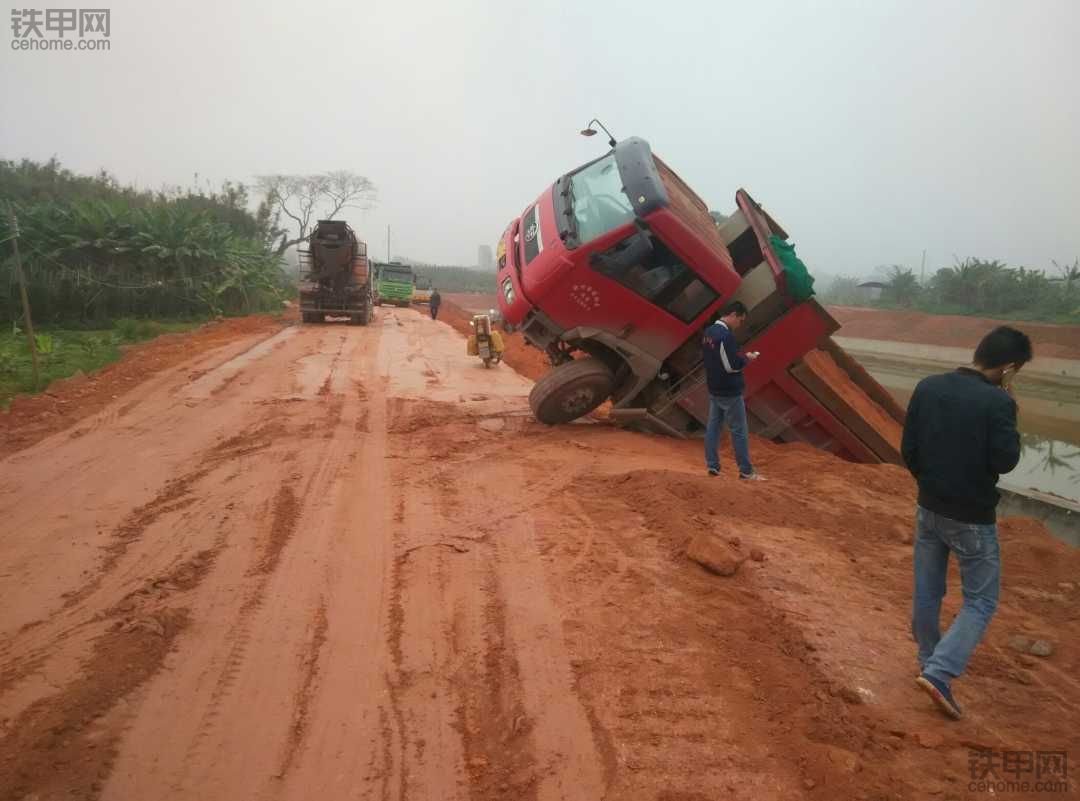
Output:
(394, 283)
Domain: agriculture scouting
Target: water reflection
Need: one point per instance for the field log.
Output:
(1047, 465)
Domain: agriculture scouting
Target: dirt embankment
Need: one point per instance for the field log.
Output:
(31, 418)
(474, 302)
(519, 354)
(956, 331)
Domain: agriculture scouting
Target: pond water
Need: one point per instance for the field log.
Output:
(1048, 465)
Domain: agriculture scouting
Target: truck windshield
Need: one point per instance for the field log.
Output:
(600, 205)
(401, 278)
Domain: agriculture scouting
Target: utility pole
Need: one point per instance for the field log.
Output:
(388, 242)
(922, 270)
(22, 291)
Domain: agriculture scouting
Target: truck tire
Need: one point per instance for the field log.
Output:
(571, 390)
(312, 317)
(362, 317)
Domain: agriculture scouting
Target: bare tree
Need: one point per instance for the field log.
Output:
(304, 199)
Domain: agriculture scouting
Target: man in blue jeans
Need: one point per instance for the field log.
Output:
(723, 372)
(960, 434)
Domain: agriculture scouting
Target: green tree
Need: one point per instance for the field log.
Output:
(902, 287)
(1070, 274)
(93, 250)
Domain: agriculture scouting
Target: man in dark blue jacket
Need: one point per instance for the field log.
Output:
(960, 434)
(723, 371)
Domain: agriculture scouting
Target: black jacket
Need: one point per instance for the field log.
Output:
(723, 364)
(960, 434)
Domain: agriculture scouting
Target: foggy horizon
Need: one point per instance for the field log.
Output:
(869, 133)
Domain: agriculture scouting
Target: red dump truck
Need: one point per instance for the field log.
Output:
(615, 271)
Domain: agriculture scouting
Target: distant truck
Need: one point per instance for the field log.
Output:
(615, 271)
(335, 278)
(394, 284)
(422, 290)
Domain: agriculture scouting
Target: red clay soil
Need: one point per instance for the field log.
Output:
(31, 418)
(474, 302)
(405, 587)
(860, 403)
(520, 355)
(956, 331)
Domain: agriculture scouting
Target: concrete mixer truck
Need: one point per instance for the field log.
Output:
(335, 277)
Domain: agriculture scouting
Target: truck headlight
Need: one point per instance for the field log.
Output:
(508, 291)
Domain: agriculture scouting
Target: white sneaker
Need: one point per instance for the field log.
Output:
(755, 476)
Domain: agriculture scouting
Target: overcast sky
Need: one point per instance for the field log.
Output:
(870, 130)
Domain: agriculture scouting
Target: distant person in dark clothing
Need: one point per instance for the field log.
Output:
(723, 372)
(960, 435)
(434, 303)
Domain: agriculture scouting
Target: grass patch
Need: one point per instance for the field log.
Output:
(63, 352)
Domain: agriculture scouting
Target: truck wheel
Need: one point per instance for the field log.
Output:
(365, 314)
(571, 390)
(312, 317)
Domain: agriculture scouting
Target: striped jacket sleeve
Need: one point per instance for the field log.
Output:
(729, 353)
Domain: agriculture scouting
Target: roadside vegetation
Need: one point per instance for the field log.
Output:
(973, 287)
(108, 265)
(64, 352)
(94, 251)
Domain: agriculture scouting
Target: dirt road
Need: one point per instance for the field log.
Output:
(345, 563)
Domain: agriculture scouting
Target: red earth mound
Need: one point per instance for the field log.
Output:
(1053, 341)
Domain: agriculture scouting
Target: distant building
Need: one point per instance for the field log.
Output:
(484, 258)
(871, 290)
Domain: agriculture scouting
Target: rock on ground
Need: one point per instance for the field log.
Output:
(715, 555)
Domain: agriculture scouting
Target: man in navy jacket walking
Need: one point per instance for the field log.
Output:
(960, 435)
(723, 371)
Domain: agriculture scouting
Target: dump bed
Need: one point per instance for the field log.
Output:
(804, 387)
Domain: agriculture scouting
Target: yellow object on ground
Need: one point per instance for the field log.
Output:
(486, 342)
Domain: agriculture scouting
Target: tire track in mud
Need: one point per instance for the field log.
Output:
(397, 678)
(500, 754)
(283, 523)
(64, 745)
(310, 666)
(175, 496)
(288, 509)
(510, 724)
(282, 527)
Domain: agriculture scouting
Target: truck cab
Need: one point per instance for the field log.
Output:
(394, 284)
(618, 260)
(615, 271)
